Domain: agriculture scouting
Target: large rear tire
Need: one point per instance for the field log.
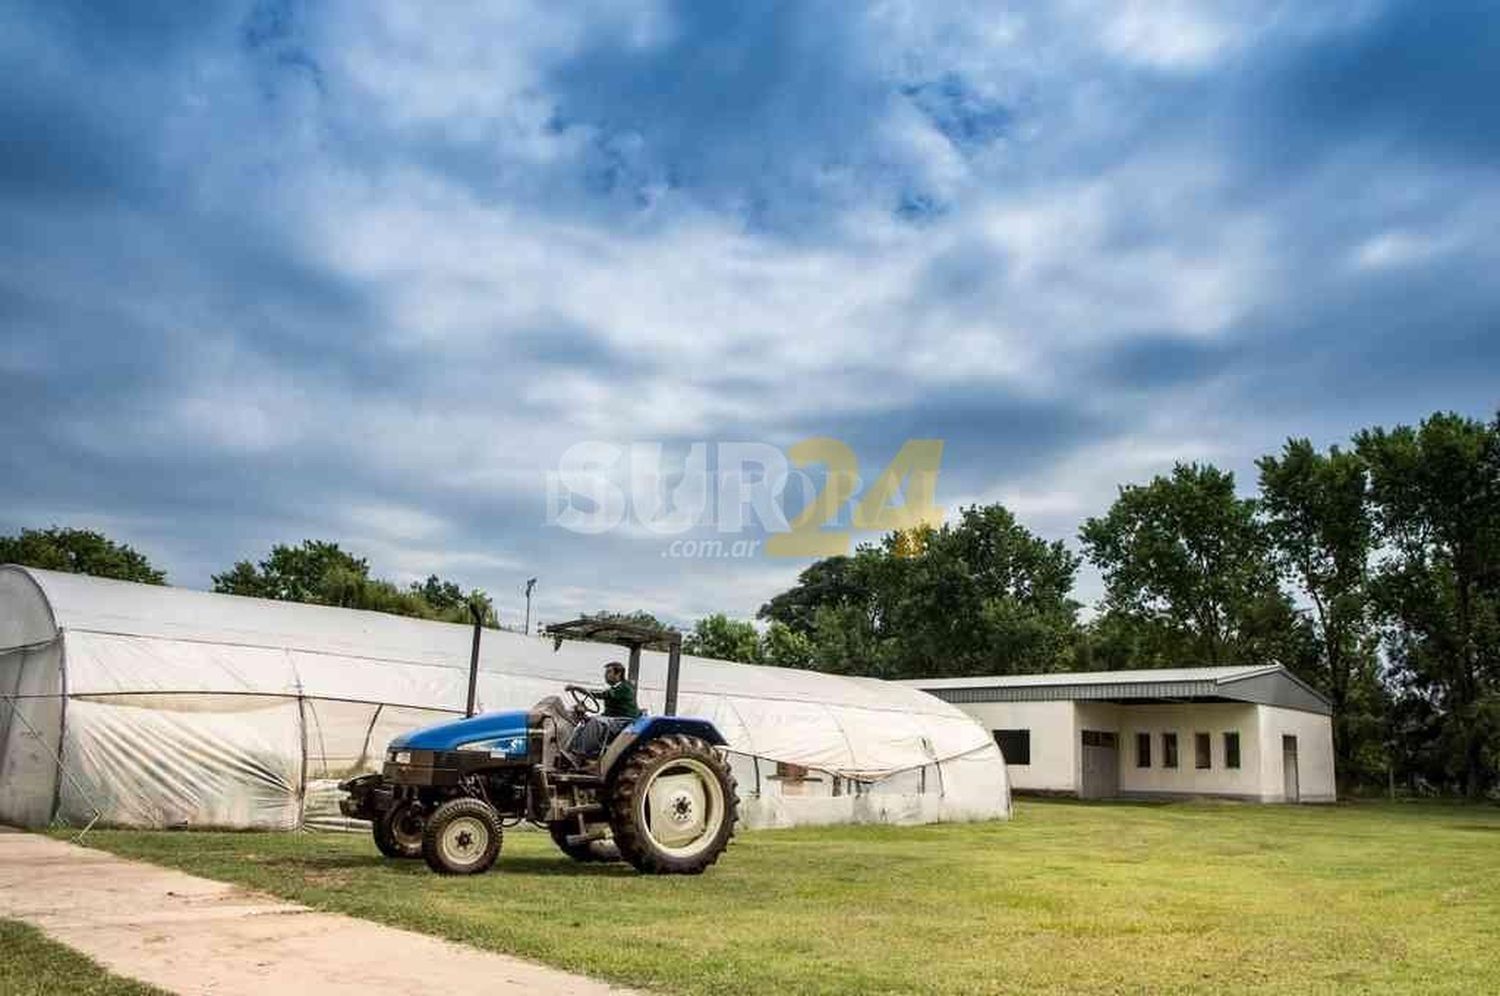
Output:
(462, 837)
(588, 851)
(398, 831)
(672, 806)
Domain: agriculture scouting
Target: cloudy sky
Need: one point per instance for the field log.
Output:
(365, 270)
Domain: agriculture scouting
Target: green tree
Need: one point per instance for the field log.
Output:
(78, 551)
(322, 573)
(782, 646)
(830, 581)
(441, 595)
(724, 639)
(1114, 640)
(450, 602)
(845, 641)
(1317, 514)
(979, 595)
(311, 572)
(1436, 491)
(1184, 559)
(1017, 585)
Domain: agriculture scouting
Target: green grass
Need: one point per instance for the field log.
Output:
(1068, 898)
(33, 965)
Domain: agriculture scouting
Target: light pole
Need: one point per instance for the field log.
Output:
(530, 584)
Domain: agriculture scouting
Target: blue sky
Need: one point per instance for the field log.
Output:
(365, 270)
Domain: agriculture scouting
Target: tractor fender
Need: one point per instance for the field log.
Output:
(651, 727)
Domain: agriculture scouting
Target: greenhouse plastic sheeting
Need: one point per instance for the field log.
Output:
(170, 707)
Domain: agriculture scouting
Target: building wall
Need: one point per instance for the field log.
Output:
(1054, 741)
(1056, 758)
(1314, 735)
(1186, 720)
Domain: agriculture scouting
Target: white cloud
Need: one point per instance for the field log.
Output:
(1167, 34)
(396, 522)
(1394, 249)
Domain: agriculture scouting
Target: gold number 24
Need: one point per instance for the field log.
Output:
(916, 464)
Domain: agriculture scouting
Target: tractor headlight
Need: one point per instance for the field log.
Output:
(498, 747)
(401, 756)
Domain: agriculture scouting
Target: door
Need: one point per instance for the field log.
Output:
(29, 686)
(1101, 765)
(1289, 769)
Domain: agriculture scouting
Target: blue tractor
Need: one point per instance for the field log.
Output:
(660, 796)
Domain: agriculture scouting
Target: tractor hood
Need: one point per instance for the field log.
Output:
(490, 726)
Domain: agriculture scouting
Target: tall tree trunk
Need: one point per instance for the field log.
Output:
(1338, 693)
(1469, 693)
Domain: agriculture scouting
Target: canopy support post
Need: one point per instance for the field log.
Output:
(633, 673)
(478, 618)
(674, 665)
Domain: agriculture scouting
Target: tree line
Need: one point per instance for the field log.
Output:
(316, 572)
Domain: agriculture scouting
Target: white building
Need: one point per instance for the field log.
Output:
(1254, 733)
(150, 706)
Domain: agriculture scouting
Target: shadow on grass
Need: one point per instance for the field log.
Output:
(1061, 801)
(547, 866)
(538, 866)
(336, 862)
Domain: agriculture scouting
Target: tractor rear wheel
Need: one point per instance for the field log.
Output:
(462, 837)
(398, 831)
(589, 850)
(672, 806)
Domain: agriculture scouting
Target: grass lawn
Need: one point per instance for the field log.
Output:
(1068, 898)
(33, 965)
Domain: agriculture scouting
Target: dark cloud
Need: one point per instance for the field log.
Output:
(1150, 362)
(1416, 80)
(966, 118)
(1361, 346)
(990, 435)
(565, 346)
(747, 106)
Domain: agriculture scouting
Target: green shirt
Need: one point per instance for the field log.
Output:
(619, 700)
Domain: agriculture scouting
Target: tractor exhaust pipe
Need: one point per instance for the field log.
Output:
(478, 618)
(674, 667)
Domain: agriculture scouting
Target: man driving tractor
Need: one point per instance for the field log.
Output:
(619, 708)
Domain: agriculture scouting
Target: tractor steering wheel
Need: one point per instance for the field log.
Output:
(585, 700)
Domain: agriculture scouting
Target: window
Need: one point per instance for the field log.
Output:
(1098, 738)
(1231, 750)
(1015, 745)
(1169, 750)
(1203, 750)
(1143, 750)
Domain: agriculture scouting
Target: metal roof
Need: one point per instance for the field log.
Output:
(618, 631)
(1266, 684)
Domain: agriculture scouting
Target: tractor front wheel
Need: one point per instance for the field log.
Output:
(462, 837)
(398, 831)
(672, 806)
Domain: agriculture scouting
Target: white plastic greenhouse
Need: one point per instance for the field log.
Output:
(159, 707)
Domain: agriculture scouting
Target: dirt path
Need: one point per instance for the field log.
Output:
(193, 935)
